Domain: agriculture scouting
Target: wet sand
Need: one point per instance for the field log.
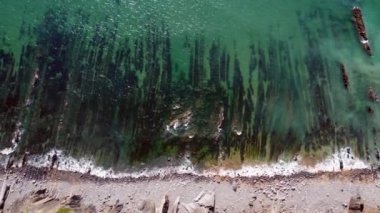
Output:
(322, 192)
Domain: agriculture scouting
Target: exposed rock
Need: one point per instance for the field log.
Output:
(175, 206)
(9, 162)
(4, 194)
(164, 206)
(203, 203)
(194, 208)
(356, 204)
(206, 199)
(24, 159)
(147, 206)
(201, 210)
(217, 179)
(90, 209)
(39, 195)
(54, 160)
(189, 207)
(44, 201)
(117, 207)
(234, 186)
(39, 201)
(74, 201)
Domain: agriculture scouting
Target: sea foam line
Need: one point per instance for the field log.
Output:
(85, 165)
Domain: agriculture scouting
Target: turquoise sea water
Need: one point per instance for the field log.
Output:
(129, 81)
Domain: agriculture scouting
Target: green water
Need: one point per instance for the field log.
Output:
(258, 79)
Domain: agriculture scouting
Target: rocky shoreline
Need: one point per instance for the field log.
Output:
(34, 173)
(43, 190)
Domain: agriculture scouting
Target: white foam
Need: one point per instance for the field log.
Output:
(181, 123)
(8, 150)
(84, 165)
(238, 132)
(364, 41)
(330, 164)
(15, 139)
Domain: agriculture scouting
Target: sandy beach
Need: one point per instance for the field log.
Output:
(41, 190)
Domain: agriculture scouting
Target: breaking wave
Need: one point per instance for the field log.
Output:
(85, 165)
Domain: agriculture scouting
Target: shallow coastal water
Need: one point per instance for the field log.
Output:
(218, 82)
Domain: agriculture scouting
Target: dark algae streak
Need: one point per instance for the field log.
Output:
(131, 81)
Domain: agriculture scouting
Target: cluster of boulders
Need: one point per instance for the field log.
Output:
(43, 200)
(203, 203)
